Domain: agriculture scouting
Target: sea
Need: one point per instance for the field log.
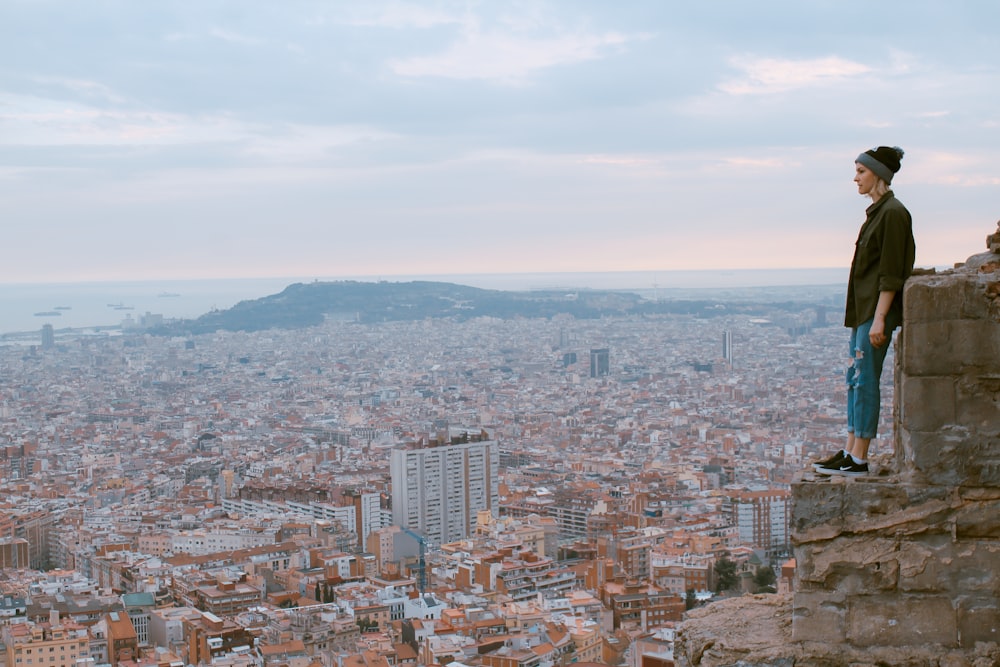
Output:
(104, 306)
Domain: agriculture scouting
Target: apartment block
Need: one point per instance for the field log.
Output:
(438, 489)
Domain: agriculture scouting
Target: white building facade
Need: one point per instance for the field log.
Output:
(438, 490)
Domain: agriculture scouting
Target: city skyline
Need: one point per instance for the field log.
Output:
(395, 138)
(193, 499)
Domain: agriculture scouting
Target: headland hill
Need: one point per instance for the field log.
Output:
(302, 305)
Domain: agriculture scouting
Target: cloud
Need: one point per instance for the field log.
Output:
(29, 121)
(506, 57)
(508, 45)
(33, 121)
(766, 163)
(764, 76)
(619, 160)
(398, 15)
(310, 143)
(962, 170)
(233, 37)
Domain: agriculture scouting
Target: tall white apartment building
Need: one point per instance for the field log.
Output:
(762, 518)
(437, 489)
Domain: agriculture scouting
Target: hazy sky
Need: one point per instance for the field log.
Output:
(188, 139)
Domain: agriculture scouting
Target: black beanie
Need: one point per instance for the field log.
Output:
(884, 161)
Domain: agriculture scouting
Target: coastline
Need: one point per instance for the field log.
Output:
(100, 307)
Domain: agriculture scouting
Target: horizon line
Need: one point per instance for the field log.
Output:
(400, 277)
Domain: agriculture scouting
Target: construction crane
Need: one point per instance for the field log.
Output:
(422, 563)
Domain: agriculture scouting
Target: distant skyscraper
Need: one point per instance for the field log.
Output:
(563, 338)
(48, 337)
(600, 362)
(727, 346)
(438, 489)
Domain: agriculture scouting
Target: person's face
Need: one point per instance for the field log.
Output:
(865, 178)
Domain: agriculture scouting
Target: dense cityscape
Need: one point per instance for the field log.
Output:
(504, 492)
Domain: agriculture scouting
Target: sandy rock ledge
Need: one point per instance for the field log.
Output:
(756, 631)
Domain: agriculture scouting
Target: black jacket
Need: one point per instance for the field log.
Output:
(883, 260)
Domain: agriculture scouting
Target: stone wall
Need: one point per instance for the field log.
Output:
(901, 567)
(910, 556)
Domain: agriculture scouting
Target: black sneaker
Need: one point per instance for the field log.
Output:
(847, 468)
(832, 461)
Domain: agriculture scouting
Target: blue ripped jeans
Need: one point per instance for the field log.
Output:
(864, 375)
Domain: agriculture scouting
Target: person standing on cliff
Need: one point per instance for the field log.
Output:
(883, 260)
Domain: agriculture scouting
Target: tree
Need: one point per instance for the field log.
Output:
(764, 580)
(690, 600)
(725, 575)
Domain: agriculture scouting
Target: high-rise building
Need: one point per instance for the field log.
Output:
(437, 489)
(48, 337)
(367, 512)
(762, 519)
(600, 362)
(820, 316)
(727, 346)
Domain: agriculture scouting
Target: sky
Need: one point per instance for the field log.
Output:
(250, 138)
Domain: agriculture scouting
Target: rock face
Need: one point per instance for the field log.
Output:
(902, 567)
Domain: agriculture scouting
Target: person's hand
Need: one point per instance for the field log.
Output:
(876, 335)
